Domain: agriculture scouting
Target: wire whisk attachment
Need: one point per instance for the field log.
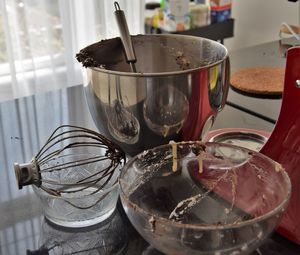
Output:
(73, 160)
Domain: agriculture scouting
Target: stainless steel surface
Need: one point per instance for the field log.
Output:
(181, 86)
(125, 37)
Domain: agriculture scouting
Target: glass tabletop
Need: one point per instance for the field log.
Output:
(26, 123)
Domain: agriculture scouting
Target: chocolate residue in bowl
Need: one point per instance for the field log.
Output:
(102, 54)
(182, 61)
(86, 60)
(154, 54)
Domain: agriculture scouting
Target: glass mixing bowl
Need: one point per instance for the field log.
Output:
(85, 207)
(195, 198)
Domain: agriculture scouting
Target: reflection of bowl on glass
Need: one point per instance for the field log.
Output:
(204, 199)
(103, 238)
(181, 82)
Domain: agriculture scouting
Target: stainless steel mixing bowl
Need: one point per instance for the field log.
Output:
(180, 85)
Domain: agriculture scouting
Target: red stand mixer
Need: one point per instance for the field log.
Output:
(283, 145)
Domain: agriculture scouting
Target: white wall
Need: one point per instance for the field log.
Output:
(258, 21)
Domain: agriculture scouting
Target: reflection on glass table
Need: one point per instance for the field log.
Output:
(104, 238)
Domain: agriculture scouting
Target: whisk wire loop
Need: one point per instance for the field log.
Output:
(102, 138)
(65, 187)
(54, 141)
(59, 167)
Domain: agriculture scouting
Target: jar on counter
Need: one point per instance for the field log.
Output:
(200, 15)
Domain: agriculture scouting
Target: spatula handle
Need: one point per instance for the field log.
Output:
(124, 34)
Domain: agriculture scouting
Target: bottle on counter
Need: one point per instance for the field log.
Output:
(220, 10)
(153, 16)
(176, 15)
